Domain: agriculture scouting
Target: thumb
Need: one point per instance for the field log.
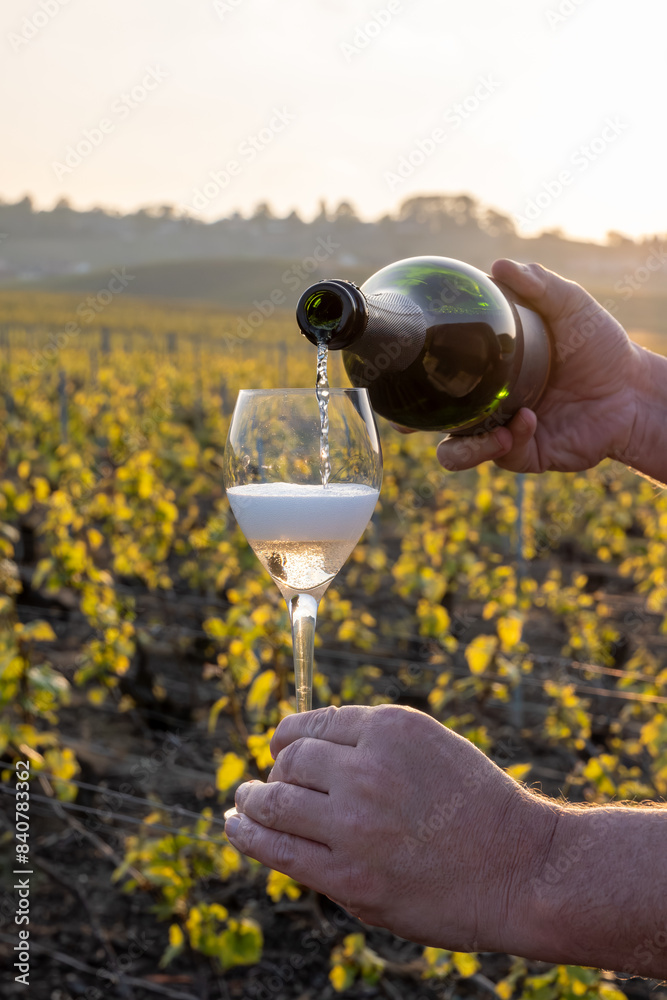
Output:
(555, 298)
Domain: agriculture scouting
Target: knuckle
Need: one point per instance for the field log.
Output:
(248, 837)
(393, 716)
(242, 792)
(286, 762)
(321, 720)
(284, 852)
(271, 806)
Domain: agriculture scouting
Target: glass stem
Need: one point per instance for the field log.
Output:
(303, 616)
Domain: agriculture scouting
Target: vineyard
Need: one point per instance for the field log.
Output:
(145, 658)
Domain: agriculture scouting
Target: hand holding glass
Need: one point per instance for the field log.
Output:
(301, 531)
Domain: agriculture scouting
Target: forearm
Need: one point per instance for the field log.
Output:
(646, 451)
(601, 896)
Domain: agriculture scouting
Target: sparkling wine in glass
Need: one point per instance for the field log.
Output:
(302, 529)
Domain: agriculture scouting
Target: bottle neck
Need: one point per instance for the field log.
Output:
(333, 312)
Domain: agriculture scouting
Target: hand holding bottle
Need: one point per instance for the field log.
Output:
(606, 396)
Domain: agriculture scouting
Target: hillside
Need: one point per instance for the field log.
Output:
(236, 261)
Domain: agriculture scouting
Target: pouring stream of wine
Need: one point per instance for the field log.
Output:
(322, 390)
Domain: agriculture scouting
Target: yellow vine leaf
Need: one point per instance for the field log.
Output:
(479, 653)
(176, 937)
(518, 771)
(466, 965)
(509, 632)
(260, 691)
(230, 771)
(279, 885)
(341, 976)
(258, 745)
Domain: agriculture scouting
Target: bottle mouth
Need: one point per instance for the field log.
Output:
(332, 312)
(323, 311)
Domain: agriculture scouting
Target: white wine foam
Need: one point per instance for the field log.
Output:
(302, 534)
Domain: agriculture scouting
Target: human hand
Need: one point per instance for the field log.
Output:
(402, 822)
(588, 410)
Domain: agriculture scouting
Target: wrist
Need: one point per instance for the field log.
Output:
(599, 897)
(554, 892)
(530, 929)
(644, 449)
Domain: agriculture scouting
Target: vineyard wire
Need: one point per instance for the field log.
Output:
(90, 810)
(145, 984)
(533, 681)
(177, 810)
(398, 661)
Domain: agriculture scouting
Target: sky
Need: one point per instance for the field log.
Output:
(551, 111)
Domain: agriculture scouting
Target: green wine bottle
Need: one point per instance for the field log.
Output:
(438, 344)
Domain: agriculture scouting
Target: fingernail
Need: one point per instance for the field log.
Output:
(232, 825)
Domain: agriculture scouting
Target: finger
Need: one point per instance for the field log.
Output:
(510, 447)
(310, 763)
(458, 453)
(304, 860)
(337, 725)
(552, 296)
(286, 808)
(523, 456)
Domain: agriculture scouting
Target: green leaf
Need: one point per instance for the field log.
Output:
(242, 943)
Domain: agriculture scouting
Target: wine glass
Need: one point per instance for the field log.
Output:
(301, 530)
